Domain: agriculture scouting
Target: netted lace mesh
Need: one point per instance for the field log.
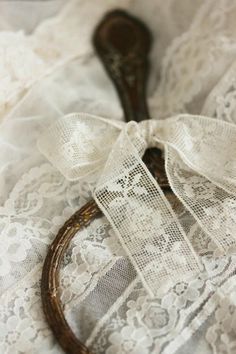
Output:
(212, 207)
(147, 228)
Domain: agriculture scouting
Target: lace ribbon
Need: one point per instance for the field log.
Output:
(82, 146)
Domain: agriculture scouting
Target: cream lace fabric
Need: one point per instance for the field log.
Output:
(106, 302)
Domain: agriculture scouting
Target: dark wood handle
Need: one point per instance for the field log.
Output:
(123, 44)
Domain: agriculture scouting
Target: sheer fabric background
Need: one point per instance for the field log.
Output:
(44, 76)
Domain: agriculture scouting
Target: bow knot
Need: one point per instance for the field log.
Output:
(199, 170)
(148, 129)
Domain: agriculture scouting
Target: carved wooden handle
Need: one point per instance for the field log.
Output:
(123, 44)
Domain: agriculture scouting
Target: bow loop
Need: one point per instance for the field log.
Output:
(79, 148)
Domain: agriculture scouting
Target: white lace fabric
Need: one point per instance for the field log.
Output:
(26, 58)
(78, 145)
(104, 299)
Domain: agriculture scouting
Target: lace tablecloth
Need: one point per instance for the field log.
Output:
(48, 69)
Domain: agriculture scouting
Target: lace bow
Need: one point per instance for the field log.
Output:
(201, 168)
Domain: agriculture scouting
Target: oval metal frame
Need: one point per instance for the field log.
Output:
(50, 294)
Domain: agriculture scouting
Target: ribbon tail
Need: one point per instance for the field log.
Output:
(144, 222)
(212, 207)
(201, 168)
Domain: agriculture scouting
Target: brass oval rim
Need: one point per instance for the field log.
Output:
(50, 283)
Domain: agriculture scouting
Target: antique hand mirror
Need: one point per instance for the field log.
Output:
(123, 44)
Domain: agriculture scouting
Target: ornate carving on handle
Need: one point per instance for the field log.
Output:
(123, 44)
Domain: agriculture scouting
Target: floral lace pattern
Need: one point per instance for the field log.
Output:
(221, 334)
(213, 208)
(92, 253)
(98, 282)
(23, 327)
(27, 228)
(220, 104)
(25, 236)
(157, 320)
